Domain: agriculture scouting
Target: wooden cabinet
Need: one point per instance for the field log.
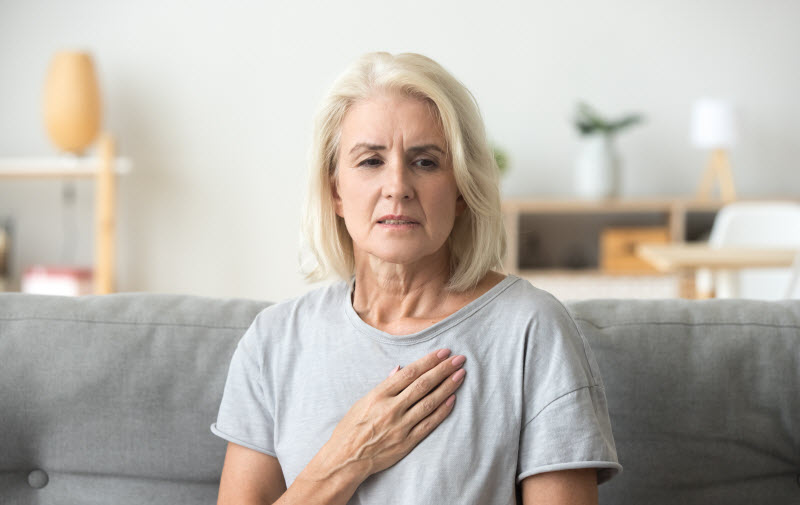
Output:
(559, 244)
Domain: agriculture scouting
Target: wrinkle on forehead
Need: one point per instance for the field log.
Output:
(384, 97)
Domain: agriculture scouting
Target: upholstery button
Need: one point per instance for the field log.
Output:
(38, 479)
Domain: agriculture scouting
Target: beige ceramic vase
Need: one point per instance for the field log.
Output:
(72, 109)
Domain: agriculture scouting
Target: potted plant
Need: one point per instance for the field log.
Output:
(597, 172)
(501, 158)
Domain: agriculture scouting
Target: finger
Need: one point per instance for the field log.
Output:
(395, 369)
(427, 425)
(399, 381)
(430, 380)
(436, 398)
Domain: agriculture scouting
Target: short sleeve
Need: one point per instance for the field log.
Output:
(245, 413)
(565, 417)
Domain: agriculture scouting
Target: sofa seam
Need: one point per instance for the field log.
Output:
(133, 323)
(123, 476)
(666, 323)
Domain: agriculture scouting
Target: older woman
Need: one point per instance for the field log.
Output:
(404, 207)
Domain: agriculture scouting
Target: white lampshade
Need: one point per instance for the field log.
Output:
(713, 124)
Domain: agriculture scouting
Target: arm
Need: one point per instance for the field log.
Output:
(573, 487)
(251, 477)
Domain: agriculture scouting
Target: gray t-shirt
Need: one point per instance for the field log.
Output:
(532, 400)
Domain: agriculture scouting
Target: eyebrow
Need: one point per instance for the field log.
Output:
(376, 147)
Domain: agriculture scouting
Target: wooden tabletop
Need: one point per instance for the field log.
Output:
(675, 257)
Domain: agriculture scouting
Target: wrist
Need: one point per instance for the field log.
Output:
(328, 466)
(322, 483)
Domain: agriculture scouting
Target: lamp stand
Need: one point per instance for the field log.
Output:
(718, 169)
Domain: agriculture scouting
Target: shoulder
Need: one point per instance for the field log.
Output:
(523, 298)
(553, 334)
(286, 314)
(550, 327)
(315, 299)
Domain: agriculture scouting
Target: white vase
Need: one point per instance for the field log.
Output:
(597, 171)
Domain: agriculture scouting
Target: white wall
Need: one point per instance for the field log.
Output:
(213, 102)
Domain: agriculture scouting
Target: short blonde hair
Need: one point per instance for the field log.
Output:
(477, 242)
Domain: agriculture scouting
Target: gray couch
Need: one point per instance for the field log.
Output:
(108, 399)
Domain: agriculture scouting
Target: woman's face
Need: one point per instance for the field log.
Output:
(393, 162)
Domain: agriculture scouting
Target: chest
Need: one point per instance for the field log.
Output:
(484, 424)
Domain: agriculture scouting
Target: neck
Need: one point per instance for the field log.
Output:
(388, 292)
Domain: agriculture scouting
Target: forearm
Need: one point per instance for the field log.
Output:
(323, 483)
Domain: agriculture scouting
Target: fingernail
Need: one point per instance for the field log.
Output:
(394, 370)
(443, 353)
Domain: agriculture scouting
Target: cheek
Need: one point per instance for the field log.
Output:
(443, 209)
(354, 200)
(448, 201)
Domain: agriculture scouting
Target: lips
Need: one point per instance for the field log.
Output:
(395, 217)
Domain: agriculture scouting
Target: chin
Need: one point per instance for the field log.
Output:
(403, 257)
(398, 259)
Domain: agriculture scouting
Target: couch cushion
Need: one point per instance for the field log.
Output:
(111, 396)
(704, 398)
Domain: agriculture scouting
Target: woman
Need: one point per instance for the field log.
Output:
(404, 206)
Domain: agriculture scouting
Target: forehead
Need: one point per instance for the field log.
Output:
(384, 117)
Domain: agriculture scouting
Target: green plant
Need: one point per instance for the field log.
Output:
(501, 158)
(589, 121)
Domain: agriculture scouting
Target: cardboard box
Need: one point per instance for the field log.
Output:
(618, 248)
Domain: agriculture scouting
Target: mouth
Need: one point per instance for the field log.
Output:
(397, 220)
(398, 223)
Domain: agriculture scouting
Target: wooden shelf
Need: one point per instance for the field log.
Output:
(582, 273)
(560, 240)
(582, 284)
(103, 168)
(664, 204)
(58, 167)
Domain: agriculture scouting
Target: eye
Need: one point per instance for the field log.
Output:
(426, 163)
(368, 162)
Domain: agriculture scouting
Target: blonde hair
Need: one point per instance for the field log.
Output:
(477, 242)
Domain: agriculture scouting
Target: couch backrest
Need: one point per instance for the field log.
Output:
(704, 398)
(111, 397)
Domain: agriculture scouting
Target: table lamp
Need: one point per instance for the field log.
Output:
(72, 110)
(713, 127)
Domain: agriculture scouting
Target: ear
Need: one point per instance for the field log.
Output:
(461, 205)
(337, 200)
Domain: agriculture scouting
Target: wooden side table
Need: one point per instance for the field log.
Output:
(686, 259)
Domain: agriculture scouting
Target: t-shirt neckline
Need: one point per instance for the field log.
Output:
(426, 333)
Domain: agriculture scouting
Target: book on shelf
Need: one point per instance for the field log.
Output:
(5, 253)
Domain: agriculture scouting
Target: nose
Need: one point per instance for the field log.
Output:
(397, 183)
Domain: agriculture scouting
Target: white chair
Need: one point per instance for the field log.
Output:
(754, 224)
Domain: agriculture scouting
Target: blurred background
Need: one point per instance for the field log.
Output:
(212, 103)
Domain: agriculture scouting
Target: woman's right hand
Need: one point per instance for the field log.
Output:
(389, 421)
